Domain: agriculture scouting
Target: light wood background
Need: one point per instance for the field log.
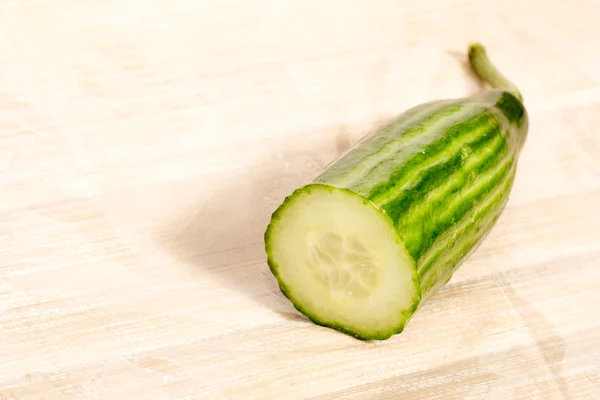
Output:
(144, 144)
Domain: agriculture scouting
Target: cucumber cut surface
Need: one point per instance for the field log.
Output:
(340, 261)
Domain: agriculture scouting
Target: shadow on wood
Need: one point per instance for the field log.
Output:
(224, 235)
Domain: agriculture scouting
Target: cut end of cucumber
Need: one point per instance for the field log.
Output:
(339, 260)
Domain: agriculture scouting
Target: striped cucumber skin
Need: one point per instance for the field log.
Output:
(442, 172)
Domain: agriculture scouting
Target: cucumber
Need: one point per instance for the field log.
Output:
(370, 239)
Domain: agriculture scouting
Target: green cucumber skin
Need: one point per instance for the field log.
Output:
(443, 172)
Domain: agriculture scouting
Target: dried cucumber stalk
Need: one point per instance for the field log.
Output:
(384, 226)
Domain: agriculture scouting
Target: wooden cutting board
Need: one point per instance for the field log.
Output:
(144, 145)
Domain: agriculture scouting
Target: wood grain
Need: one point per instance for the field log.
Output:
(143, 146)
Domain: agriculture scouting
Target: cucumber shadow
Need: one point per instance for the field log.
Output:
(221, 236)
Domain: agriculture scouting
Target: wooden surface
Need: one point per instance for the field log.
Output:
(144, 144)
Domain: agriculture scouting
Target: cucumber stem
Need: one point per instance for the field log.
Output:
(487, 72)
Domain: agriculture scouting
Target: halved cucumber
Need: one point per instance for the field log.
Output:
(385, 226)
(340, 261)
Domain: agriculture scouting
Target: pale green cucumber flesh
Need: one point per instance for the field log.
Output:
(340, 261)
